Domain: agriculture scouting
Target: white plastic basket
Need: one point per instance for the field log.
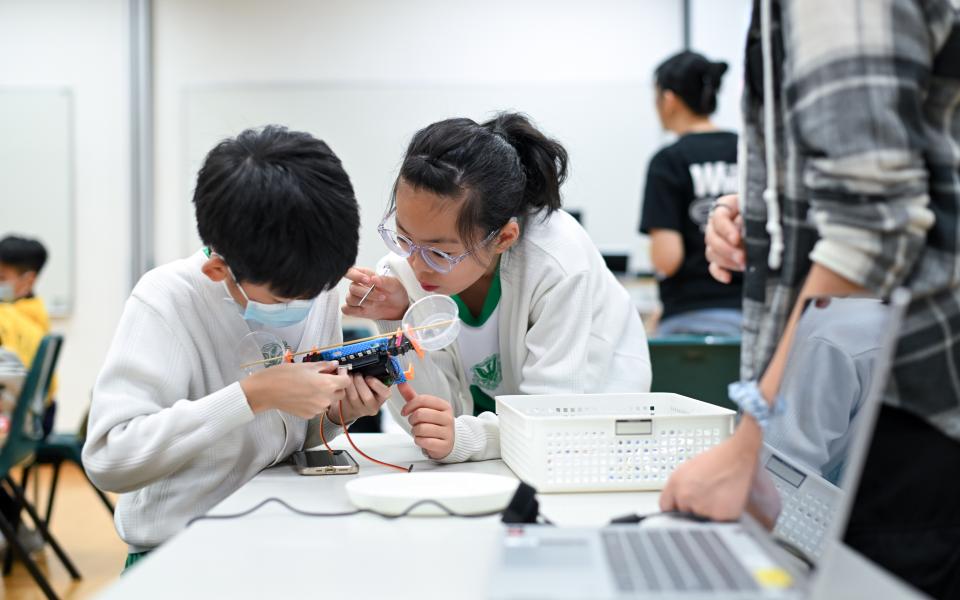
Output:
(605, 442)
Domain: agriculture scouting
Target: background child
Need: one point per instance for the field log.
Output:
(23, 323)
(21, 260)
(476, 215)
(26, 320)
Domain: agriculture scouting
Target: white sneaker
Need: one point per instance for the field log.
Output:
(31, 539)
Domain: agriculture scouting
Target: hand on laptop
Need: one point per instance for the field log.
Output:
(716, 483)
(431, 421)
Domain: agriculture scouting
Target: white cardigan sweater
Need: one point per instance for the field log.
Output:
(170, 427)
(566, 325)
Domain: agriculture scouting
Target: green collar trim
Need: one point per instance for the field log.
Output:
(489, 304)
(481, 401)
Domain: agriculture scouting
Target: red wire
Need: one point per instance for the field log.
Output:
(323, 416)
(359, 451)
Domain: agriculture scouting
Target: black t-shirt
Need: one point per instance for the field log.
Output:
(683, 181)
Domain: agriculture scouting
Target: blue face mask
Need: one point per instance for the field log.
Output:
(279, 315)
(283, 314)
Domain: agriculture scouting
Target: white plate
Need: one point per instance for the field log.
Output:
(464, 493)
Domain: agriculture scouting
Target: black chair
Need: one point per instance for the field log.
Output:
(18, 449)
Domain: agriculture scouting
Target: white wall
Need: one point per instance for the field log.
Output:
(36, 169)
(83, 45)
(718, 29)
(386, 42)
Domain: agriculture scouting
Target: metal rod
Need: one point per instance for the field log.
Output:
(372, 287)
(141, 138)
(384, 270)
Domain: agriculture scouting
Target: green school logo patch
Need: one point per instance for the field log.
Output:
(487, 374)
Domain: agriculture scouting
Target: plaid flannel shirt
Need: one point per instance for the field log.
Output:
(868, 141)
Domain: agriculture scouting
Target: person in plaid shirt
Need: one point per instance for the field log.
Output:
(851, 185)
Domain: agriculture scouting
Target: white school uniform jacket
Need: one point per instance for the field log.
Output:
(566, 325)
(170, 427)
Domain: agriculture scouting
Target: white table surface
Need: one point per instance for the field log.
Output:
(274, 553)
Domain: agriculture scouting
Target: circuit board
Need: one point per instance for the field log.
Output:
(373, 358)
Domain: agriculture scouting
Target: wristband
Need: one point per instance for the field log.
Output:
(747, 396)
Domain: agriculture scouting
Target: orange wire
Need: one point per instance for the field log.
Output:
(346, 432)
(323, 416)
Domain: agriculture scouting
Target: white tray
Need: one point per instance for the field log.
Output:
(605, 442)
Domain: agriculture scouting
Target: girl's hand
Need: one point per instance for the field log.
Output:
(431, 421)
(388, 301)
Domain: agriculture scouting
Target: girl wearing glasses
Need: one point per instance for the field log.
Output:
(475, 215)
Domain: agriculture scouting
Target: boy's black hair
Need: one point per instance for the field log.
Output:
(497, 170)
(279, 208)
(23, 254)
(694, 78)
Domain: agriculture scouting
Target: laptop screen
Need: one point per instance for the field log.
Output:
(829, 396)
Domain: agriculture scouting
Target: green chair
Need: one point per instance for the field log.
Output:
(55, 450)
(19, 448)
(700, 367)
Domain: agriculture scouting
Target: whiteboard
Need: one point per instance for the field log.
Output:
(609, 129)
(36, 182)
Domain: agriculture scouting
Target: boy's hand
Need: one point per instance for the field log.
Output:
(723, 239)
(301, 389)
(364, 397)
(388, 302)
(431, 420)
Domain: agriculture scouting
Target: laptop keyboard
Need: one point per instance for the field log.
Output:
(672, 560)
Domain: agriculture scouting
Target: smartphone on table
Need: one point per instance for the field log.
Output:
(323, 462)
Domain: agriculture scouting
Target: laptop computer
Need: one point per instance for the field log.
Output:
(808, 501)
(666, 557)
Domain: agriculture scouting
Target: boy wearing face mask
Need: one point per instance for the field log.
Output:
(21, 260)
(23, 315)
(23, 323)
(175, 427)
